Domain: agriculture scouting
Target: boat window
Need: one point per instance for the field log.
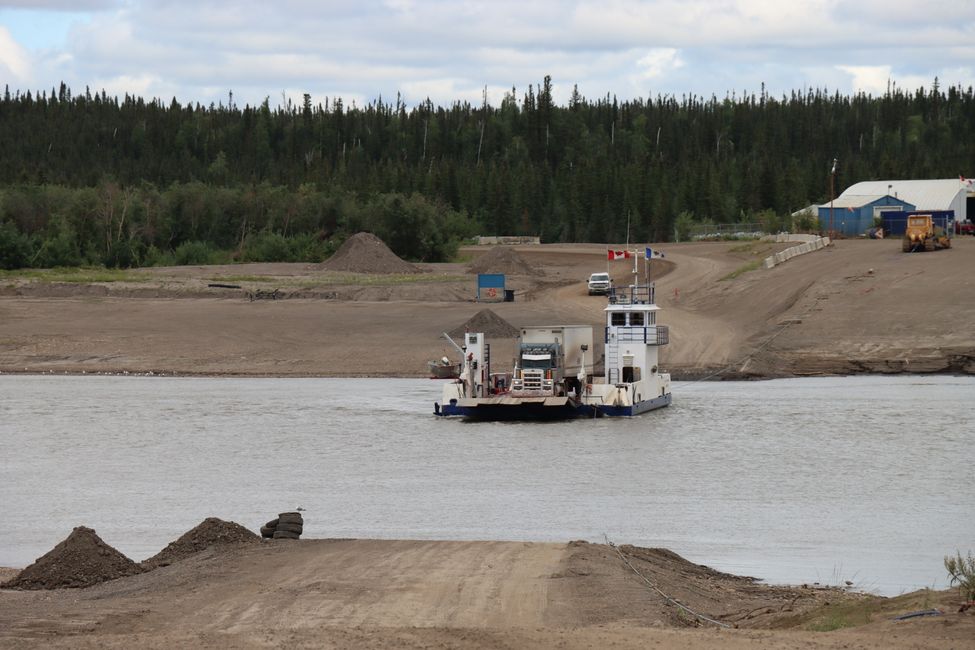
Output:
(636, 318)
(653, 318)
(618, 318)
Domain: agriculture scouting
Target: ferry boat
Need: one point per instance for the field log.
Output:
(553, 375)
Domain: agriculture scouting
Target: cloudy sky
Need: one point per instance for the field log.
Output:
(201, 50)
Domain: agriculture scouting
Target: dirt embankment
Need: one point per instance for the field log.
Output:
(372, 593)
(859, 306)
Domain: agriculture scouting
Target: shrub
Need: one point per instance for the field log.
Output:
(683, 225)
(16, 248)
(961, 571)
(268, 247)
(191, 252)
(60, 250)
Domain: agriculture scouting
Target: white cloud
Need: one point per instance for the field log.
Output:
(448, 50)
(146, 85)
(871, 79)
(13, 58)
(659, 62)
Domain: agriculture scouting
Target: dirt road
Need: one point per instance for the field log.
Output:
(859, 306)
(378, 594)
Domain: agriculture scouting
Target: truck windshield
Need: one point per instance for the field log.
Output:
(536, 361)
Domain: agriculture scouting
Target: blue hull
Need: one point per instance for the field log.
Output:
(535, 412)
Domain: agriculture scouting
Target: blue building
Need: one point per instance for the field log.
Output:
(853, 214)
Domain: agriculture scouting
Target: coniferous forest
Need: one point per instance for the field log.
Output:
(90, 179)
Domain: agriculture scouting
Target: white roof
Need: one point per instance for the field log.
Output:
(846, 200)
(809, 208)
(937, 194)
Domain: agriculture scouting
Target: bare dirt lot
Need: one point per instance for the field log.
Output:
(423, 594)
(858, 306)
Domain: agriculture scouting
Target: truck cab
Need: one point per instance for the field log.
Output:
(538, 371)
(600, 283)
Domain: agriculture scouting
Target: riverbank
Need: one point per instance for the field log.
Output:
(860, 306)
(395, 593)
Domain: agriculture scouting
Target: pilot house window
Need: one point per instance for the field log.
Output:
(618, 318)
(636, 318)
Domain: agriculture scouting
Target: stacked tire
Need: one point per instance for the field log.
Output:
(288, 525)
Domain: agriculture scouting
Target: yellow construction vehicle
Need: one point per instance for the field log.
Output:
(923, 234)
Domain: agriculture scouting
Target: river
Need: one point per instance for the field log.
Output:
(860, 479)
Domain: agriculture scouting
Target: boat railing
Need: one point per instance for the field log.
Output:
(632, 295)
(649, 335)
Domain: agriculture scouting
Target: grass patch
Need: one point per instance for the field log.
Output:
(744, 268)
(246, 278)
(334, 279)
(743, 248)
(755, 247)
(857, 611)
(843, 615)
(80, 275)
(360, 279)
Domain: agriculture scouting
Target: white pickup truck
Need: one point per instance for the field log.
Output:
(599, 283)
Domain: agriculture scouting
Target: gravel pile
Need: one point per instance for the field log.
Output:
(493, 326)
(81, 560)
(211, 532)
(501, 259)
(365, 253)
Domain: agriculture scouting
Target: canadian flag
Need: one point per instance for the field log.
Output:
(617, 255)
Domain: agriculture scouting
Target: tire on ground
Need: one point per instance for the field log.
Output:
(271, 524)
(290, 518)
(290, 528)
(267, 531)
(283, 534)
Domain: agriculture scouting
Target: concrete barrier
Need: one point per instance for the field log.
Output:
(809, 244)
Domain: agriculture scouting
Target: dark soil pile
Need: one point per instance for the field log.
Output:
(365, 253)
(502, 259)
(493, 326)
(81, 560)
(211, 532)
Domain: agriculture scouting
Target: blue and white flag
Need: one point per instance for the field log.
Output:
(652, 254)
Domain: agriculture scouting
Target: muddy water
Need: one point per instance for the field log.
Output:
(864, 479)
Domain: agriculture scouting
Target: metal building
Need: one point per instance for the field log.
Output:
(954, 194)
(853, 214)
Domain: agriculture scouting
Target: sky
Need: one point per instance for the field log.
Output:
(201, 51)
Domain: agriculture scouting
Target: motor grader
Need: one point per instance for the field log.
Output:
(923, 234)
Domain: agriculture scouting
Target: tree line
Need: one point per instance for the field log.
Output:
(126, 181)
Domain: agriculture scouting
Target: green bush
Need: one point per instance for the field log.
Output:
(192, 253)
(268, 247)
(156, 257)
(806, 221)
(683, 225)
(274, 247)
(60, 250)
(16, 248)
(961, 571)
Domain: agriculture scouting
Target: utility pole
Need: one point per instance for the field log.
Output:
(832, 178)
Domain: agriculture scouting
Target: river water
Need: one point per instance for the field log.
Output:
(865, 479)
